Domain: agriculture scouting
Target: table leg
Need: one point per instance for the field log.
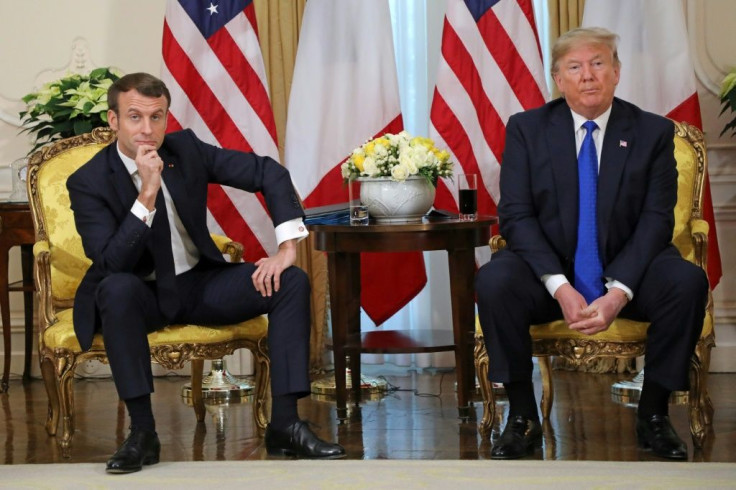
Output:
(462, 291)
(26, 253)
(344, 277)
(5, 315)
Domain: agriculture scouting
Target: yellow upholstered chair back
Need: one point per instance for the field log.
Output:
(50, 202)
(691, 163)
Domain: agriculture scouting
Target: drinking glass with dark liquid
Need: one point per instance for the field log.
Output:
(467, 185)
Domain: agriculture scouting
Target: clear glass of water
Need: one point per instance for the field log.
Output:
(358, 210)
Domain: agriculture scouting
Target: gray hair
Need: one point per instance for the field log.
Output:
(582, 36)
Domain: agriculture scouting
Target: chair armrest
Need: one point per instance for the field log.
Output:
(699, 231)
(229, 247)
(497, 242)
(42, 273)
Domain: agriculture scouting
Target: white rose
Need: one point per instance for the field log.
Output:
(369, 167)
(420, 156)
(345, 170)
(399, 173)
(408, 161)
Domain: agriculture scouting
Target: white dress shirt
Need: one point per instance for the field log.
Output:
(553, 281)
(186, 255)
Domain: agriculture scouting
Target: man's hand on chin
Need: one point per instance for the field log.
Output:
(599, 315)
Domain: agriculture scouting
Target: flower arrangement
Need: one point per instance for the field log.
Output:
(398, 156)
(728, 100)
(72, 105)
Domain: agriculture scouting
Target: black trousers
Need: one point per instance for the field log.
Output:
(672, 296)
(210, 294)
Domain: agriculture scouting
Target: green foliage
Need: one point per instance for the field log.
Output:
(72, 105)
(728, 101)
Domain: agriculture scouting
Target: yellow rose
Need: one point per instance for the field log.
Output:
(358, 161)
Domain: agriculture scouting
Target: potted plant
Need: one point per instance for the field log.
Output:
(72, 105)
(398, 175)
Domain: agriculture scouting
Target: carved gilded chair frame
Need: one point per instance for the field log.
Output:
(58, 362)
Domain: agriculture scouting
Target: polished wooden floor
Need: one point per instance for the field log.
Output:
(417, 419)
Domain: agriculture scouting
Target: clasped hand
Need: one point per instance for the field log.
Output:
(590, 318)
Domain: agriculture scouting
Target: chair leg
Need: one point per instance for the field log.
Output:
(545, 369)
(702, 352)
(700, 407)
(197, 367)
(486, 390)
(66, 367)
(52, 390)
(263, 382)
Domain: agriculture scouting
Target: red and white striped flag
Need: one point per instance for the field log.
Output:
(213, 67)
(345, 92)
(490, 68)
(657, 73)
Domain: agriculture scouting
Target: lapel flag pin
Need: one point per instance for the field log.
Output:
(622, 144)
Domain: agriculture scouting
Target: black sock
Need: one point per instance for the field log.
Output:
(283, 411)
(141, 413)
(521, 399)
(654, 399)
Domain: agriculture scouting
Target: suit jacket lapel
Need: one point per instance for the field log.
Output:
(121, 180)
(617, 144)
(561, 141)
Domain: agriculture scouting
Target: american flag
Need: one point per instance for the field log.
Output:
(490, 68)
(213, 67)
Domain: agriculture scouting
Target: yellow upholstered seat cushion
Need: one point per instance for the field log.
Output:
(61, 334)
(621, 330)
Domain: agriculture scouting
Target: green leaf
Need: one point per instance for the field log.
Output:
(99, 73)
(82, 126)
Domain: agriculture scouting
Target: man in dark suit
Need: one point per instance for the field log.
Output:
(140, 208)
(589, 255)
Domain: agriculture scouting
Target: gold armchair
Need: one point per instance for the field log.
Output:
(60, 264)
(626, 338)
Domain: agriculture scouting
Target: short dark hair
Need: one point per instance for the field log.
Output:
(143, 83)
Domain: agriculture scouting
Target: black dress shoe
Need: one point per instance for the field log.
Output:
(298, 440)
(656, 433)
(518, 439)
(142, 447)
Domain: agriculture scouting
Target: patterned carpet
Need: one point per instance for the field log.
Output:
(376, 474)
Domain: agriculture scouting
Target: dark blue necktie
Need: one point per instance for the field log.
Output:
(588, 267)
(163, 257)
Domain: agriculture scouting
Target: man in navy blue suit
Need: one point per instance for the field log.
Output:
(140, 208)
(636, 271)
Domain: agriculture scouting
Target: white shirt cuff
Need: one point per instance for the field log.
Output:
(612, 283)
(553, 282)
(140, 211)
(290, 230)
